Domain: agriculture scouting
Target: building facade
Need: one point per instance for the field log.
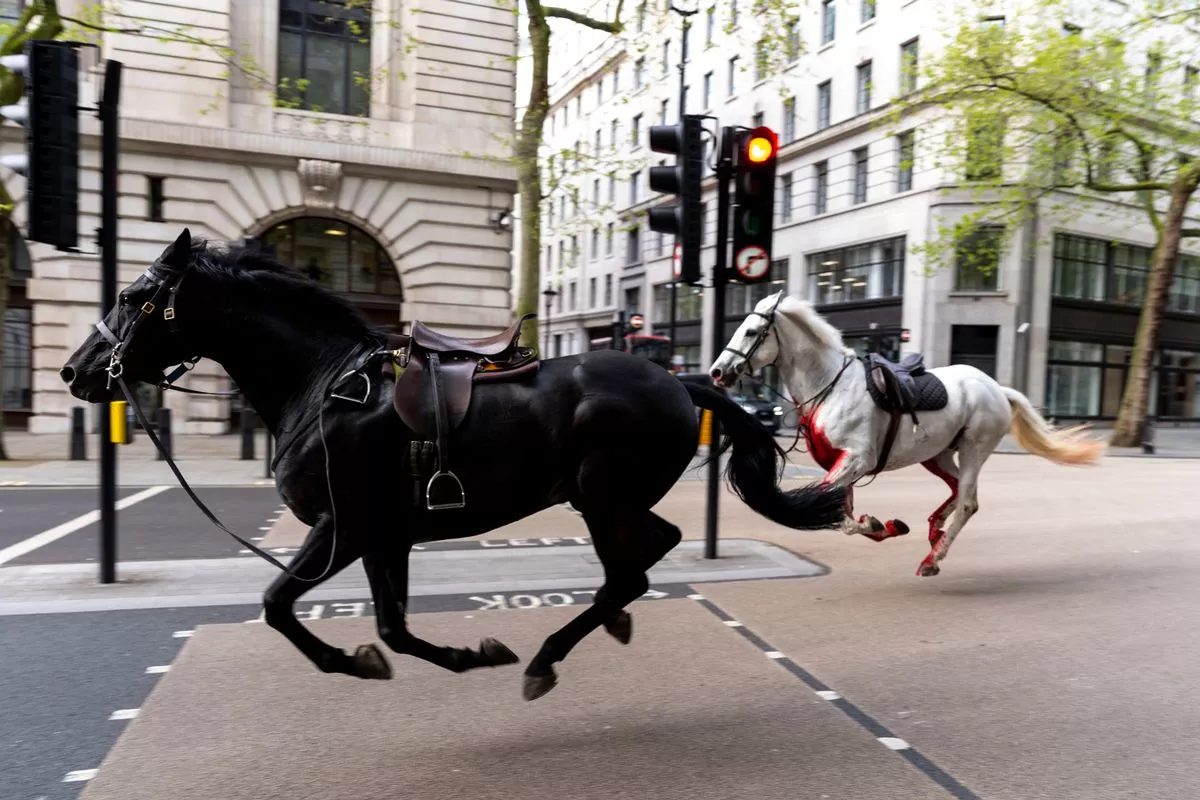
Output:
(367, 145)
(1056, 315)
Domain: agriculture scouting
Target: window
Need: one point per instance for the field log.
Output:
(975, 346)
(1072, 383)
(608, 290)
(635, 131)
(595, 243)
(633, 301)
(863, 94)
(599, 145)
(325, 56)
(859, 158)
(1185, 290)
(761, 60)
(757, 119)
(785, 197)
(740, 299)
(154, 199)
(608, 241)
(1130, 273)
(733, 15)
(863, 272)
(707, 90)
(789, 120)
(549, 259)
(985, 146)
(666, 58)
(600, 91)
(868, 10)
(572, 288)
(1080, 267)
(596, 191)
(616, 81)
(904, 161)
(641, 17)
(909, 66)
(614, 132)
(10, 10)
(612, 187)
(635, 184)
(1153, 69)
(639, 73)
(828, 21)
(18, 359)
(710, 24)
(1190, 74)
(824, 98)
(633, 247)
(977, 260)
(732, 88)
(337, 255)
(793, 40)
(821, 192)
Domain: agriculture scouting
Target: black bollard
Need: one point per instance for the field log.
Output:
(267, 460)
(163, 429)
(1148, 435)
(247, 434)
(78, 435)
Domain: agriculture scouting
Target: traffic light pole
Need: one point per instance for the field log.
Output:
(109, 169)
(719, 277)
(683, 57)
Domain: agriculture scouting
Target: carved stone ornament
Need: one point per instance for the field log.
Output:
(320, 181)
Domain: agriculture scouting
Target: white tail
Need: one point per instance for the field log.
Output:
(1070, 446)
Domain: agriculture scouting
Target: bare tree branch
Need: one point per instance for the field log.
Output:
(614, 26)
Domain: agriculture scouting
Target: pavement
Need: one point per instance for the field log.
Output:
(1052, 658)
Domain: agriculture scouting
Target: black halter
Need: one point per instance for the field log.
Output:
(763, 333)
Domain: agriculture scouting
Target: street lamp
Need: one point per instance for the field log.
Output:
(549, 293)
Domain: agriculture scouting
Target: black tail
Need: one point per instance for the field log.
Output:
(756, 467)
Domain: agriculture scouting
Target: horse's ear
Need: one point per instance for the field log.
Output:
(178, 254)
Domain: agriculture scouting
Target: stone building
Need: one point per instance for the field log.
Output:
(367, 144)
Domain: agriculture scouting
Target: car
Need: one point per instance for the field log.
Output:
(750, 395)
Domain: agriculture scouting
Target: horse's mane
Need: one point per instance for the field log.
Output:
(277, 285)
(803, 314)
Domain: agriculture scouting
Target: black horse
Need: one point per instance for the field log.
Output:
(608, 432)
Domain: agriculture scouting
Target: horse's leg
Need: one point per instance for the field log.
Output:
(280, 597)
(845, 472)
(971, 460)
(387, 572)
(627, 545)
(944, 467)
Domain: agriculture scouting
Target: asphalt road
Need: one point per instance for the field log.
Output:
(165, 526)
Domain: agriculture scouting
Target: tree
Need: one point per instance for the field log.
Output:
(1052, 112)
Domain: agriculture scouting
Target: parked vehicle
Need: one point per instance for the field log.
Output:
(750, 395)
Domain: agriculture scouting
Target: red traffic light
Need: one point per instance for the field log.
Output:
(760, 146)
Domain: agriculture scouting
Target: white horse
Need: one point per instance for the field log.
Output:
(851, 437)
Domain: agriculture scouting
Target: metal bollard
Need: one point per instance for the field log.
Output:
(267, 461)
(78, 435)
(247, 434)
(1148, 431)
(162, 424)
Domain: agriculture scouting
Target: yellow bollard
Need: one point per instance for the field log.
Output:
(117, 429)
(705, 428)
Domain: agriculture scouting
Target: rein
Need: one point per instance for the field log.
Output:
(116, 371)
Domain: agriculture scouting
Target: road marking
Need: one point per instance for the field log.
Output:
(182, 634)
(80, 775)
(59, 531)
(774, 654)
(158, 670)
(264, 528)
(124, 713)
(695, 597)
(864, 720)
(893, 743)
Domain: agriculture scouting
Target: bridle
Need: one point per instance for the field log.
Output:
(763, 334)
(116, 372)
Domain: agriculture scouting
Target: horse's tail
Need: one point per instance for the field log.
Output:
(1069, 446)
(756, 467)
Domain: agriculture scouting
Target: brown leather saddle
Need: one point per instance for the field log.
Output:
(435, 374)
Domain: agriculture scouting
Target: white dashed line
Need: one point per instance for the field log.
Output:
(158, 670)
(774, 654)
(892, 743)
(124, 713)
(733, 623)
(264, 528)
(182, 634)
(695, 597)
(827, 695)
(80, 775)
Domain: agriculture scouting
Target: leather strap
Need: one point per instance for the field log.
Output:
(439, 410)
(889, 439)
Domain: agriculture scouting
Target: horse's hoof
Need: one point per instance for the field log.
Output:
(370, 663)
(494, 653)
(896, 527)
(538, 685)
(620, 627)
(876, 525)
(928, 569)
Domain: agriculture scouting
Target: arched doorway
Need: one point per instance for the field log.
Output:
(344, 258)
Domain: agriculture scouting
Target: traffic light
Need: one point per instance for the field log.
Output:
(49, 112)
(685, 219)
(754, 199)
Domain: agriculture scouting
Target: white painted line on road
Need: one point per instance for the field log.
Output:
(695, 597)
(829, 695)
(182, 634)
(244, 552)
(158, 670)
(264, 528)
(774, 654)
(124, 713)
(892, 743)
(733, 623)
(59, 531)
(14, 483)
(80, 775)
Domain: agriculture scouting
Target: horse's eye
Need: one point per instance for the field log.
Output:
(751, 332)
